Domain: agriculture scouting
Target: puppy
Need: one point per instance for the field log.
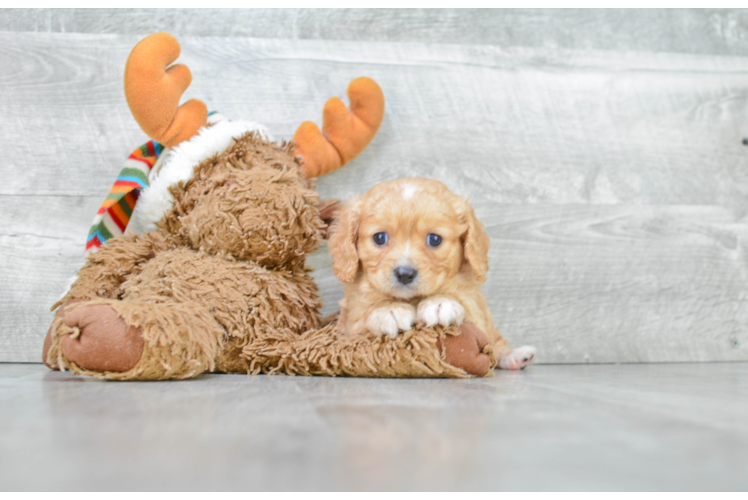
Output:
(411, 250)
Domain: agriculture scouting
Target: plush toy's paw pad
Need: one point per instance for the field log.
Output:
(466, 350)
(518, 359)
(105, 342)
(441, 311)
(61, 311)
(391, 319)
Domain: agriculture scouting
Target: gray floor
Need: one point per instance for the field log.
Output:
(573, 427)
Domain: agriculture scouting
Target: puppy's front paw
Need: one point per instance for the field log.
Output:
(518, 359)
(441, 311)
(390, 320)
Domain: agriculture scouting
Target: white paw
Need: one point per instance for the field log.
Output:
(391, 319)
(441, 311)
(518, 359)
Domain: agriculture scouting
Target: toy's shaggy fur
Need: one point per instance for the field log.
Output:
(223, 285)
(178, 164)
(417, 353)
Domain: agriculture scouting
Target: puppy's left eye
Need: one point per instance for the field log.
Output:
(434, 240)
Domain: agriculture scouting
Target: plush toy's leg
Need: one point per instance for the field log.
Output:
(422, 352)
(133, 340)
(106, 270)
(193, 312)
(104, 273)
(229, 358)
(245, 299)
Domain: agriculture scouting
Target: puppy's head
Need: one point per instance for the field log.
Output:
(410, 237)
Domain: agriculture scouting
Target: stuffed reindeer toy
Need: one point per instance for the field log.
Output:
(197, 257)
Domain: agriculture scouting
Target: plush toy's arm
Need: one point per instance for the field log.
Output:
(470, 350)
(422, 352)
(345, 133)
(106, 269)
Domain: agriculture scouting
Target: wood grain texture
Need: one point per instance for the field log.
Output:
(614, 184)
(584, 283)
(41, 244)
(523, 126)
(696, 31)
(602, 283)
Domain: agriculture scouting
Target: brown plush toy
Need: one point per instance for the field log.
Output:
(216, 280)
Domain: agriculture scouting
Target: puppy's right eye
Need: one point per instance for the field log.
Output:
(380, 238)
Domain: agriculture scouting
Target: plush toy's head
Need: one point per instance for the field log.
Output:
(153, 89)
(252, 202)
(248, 197)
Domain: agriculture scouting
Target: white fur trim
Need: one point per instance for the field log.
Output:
(179, 164)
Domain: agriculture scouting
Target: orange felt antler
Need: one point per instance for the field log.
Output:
(344, 133)
(153, 91)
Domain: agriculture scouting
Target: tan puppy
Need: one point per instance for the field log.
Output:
(411, 250)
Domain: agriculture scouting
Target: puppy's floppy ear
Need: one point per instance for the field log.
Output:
(344, 234)
(475, 240)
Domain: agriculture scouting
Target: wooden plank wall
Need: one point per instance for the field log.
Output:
(603, 150)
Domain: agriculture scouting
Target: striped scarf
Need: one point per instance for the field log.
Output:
(114, 214)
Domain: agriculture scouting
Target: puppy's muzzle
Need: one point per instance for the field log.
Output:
(405, 275)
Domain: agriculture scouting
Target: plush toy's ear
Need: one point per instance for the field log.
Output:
(343, 238)
(345, 133)
(153, 90)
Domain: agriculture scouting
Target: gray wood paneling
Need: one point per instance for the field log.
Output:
(558, 126)
(697, 31)
(614, 183)
(613, 283)
(41, 241)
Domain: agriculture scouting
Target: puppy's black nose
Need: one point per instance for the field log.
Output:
(405, 274)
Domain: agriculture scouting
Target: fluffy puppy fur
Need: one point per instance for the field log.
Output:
(411, 250)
